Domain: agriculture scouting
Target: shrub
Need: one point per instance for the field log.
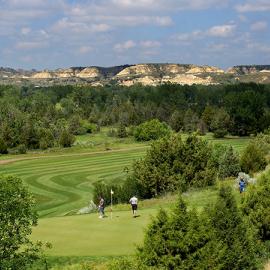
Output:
(66, 138)
(121, 131)
(3, 146)
(256, 205)
(21, 149)
(253, 158)
(151, 130)
(218, 238)
(229, 164)
(173, 164)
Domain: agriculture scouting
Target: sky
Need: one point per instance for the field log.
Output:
(51, 34)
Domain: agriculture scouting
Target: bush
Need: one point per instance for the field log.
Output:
(253, 158)
(229, 164)
(21, 149)
(173, 164)
(66, 138)
(256, 205)
(121, 131)
(218, 238)
(151, 130)
(3, 146)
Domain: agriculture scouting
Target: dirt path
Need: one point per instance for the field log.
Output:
(12, 160)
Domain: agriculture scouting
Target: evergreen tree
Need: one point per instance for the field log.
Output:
(253, 158)
(234, 245)
(256, 205)
(229, 164)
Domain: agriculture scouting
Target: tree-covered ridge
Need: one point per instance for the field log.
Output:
(38, 117)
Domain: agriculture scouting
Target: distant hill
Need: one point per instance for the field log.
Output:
(146, 74)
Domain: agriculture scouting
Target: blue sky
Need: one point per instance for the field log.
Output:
(50, 34)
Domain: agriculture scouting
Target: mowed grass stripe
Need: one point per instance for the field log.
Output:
(65, 184)
(30, 166)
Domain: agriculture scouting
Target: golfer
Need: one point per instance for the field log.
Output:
(101, 207)
(134, 205)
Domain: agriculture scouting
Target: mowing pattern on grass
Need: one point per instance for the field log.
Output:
(65, 184)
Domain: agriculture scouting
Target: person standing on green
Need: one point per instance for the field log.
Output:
(101, 207)
(134, 205)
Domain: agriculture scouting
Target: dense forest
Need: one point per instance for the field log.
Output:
(32, 117)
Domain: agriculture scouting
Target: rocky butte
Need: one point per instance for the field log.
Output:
(145, 74)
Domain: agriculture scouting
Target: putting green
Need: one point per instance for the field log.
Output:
(88, 235)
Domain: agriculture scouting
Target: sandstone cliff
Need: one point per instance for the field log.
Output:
(146, 74)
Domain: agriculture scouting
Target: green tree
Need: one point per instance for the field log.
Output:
(229, 164)
(151, 130)
(66, 138)
(121, 131)
(220, 123)
(17, 216)
(173, 164)
(256, 205)
(233, 243)
(191, 121)
(175, 241)
(253, 158)
(3, 146)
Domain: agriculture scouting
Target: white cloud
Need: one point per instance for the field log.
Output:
(25, 30)
(85, 49)
(165, 5)
(66, 25)
(150, 44)
(218, 31)
(259, 26)
(129, 44)
(254, 6)
(255, 46)
(221, 30)
(29, 45)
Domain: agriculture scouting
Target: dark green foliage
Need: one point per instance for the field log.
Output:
(3, 147)
(218, 238)
(27, 110)
(173, 164)
(122, 192)
(21, 149)
(229, 163)
(177, 121)
(245, 105)
(191, 121)
(233, 244)
(208, 115)
(220, 123)
(66, 138)
(256, 205)
(122, 131)
(17, 216)
(253, 158)
(175, 241)
(151, 130)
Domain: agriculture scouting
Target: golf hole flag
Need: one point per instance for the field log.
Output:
(112, 192)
